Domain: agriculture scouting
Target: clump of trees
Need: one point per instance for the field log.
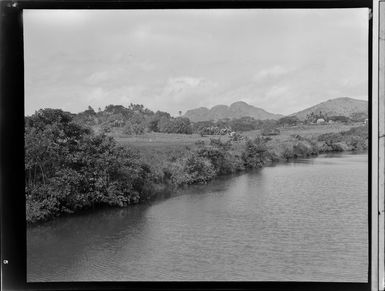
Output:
(68, 167)
(313, 117)
(288, 121)
(133, 120)
(245, 124)
(253, 156)
(175, 125)
(339, 118)
(226, 126)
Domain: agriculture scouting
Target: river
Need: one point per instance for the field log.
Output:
(304, 220)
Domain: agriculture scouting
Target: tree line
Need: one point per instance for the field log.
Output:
(136, 119)
(133, 120)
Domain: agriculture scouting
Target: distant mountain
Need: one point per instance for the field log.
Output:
(343, 106)
(236, 110)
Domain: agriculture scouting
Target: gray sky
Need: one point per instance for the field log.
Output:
(280, 60)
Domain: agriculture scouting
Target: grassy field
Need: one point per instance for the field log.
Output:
(157, 149)
(174, 142)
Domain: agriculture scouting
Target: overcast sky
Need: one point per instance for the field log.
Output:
(170, 60)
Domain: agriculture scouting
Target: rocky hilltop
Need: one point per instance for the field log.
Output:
(236, 110)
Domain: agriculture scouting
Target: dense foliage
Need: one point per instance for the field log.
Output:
(289, 121)
(133, 120)
(355, 139)
(68, 168)
(355, 117)
(136, 120)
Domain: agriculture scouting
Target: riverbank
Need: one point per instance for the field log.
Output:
(150, 169)
(172, 160)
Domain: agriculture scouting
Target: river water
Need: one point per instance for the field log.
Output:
(300, 221)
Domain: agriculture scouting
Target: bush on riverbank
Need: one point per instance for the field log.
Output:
(354, 139)
(192, 169)
(68, 168)
(253, 155)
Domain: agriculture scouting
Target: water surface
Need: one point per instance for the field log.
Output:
(299, 221)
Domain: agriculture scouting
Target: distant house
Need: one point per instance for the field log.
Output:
(320, 120)
(366, 121)
(331, 121)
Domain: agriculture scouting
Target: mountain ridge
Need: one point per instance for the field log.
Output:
(235, 110)
(340, 106)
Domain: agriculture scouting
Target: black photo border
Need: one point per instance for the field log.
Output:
(13, 225)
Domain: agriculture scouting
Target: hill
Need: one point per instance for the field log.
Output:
(343, 106)
(236, 110)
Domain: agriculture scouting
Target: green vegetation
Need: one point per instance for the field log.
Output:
(137, 120)
(354, 139)
(133, 120)
(70, 167)
(288, 121)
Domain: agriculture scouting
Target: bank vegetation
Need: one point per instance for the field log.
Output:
(69, 166)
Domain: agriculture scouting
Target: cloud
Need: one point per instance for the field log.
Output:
(277, 91)
(272, 72)
(179, 85)
(96, 96)
(98, 77)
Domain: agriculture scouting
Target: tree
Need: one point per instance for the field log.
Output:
(288, 121)
(90, 110)
(164, 124)
(244, 124)
(182, 125)
(155, 123)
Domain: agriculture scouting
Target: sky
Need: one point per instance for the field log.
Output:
(174, 60)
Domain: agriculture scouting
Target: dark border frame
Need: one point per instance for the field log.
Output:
(13, 225)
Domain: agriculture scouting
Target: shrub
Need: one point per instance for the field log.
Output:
(330, 138)
(200, 143)
(199, 170)
(287, 152)
(270, 131)
(219, 156)
(191, 169)
(252, 155)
